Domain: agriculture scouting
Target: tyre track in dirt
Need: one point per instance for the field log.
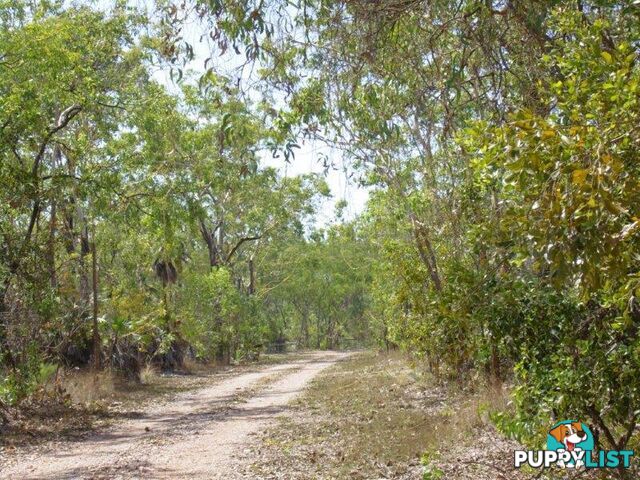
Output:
(195, 436)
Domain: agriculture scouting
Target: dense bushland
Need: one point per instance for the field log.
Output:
(140, 226)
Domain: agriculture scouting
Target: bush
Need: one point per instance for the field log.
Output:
(20, 383)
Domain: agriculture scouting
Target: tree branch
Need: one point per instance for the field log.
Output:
(240, 242)
(624, 439)
(63, 120)
(595, 415)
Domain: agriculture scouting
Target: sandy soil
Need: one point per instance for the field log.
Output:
(195, 436)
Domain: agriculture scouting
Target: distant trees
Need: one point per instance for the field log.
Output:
(320, 289)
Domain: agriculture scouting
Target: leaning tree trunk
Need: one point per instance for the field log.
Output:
(426, 251)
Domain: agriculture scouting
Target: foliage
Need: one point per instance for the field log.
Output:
(500, 138)
(568, 201)
(137, 224)
(431, 472)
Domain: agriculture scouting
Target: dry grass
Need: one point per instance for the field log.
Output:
(191, 366)
(86, 387)
(378, 408)
(148, 375)
(374, 416)
(76, 401)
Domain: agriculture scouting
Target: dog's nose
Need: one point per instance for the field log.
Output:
(581, 434)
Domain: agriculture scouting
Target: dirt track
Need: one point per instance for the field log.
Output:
(195, 436)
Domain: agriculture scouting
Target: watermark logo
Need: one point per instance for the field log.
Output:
(573, 438)
(570, 444)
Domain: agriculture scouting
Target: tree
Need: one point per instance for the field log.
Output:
(60, 97)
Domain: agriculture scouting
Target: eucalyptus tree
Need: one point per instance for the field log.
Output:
(66, 76)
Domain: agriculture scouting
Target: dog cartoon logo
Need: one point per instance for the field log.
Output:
(570, 436)
(570, 444)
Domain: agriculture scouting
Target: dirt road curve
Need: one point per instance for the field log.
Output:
(195, 436)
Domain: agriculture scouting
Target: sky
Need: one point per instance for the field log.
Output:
(311, 153)
(307, 159)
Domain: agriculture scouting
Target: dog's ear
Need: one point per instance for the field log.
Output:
(577, 426)
(558, 433)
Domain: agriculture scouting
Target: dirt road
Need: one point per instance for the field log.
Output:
(195, 436)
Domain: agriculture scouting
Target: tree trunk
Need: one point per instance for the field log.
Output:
(4, 413)
(51, 247)
(304, 327)
(385, 332)
(426, 252)
(495, 363)
(85, 250)
(96, 333)
(210, 240)
(222, 354)
(330, 335)
(165, 304)
(220, 242)
(317, 332)
(252, 278)
(6, 355)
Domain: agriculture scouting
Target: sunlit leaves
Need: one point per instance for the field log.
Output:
(574, 186)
